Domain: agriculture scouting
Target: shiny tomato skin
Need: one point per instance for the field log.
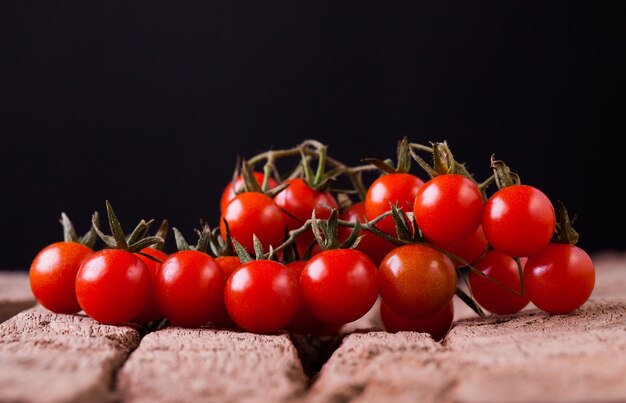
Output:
(262, 296)
(371, 244)
(399, 189)
(189, 288)
(469, 249)
(230, 192)
(254, 213)
(113, 286)
(53, 275)
(416, 281)
(560, 278)
(339, 286)
(304, 322)
(519, 220)
(448, 208)
(437, 325)
(151, 311)
(490, 295)
(299, 200)
(228, 264)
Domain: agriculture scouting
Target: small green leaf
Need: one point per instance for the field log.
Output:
(404, 156)
(69, 233)
(258, 247)
(116, 228)
(242, 253)
(90, 237)
(181, 242)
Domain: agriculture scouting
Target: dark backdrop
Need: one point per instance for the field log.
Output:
(148, 103)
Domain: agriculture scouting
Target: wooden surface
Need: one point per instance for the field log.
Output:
(530, 356)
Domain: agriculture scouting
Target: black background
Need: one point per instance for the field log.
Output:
(148, 103)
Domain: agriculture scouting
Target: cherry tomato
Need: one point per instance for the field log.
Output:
(519, 220)
(448, 208)
(53, 275)
(299, 200)
(262, 296)
(560, 278)
(399, 189)
(470, 249)
(228, 264)
(436, 325)
(416, 281)
(113, 286)
(230, 192)
(371, 244)
(151, 311)
(254, 213)
(492, 296)
(190, 288)
(339, 286)
(304, 322)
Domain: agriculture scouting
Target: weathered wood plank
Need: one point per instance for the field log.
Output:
(15, 294)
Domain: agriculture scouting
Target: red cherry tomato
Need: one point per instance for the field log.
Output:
(519, 220)
(53, 275)
(230, 192)
(560, 278)
(371, 244)
(190, 288)
(448, 208)
(254, 213)
(299, 200)
(113, 286)
(304, 322)
(491, 295)
(262, 296)
(399, 189)
(470, 249)
(416, 281)
(228, 264)
(151, 311)
(436, 325)
(339, 286)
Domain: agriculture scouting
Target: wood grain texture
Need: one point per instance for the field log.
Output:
(192, 365)
(15, 294)
(45, 357)
(531, 356)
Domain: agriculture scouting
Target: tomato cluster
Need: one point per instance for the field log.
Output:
(322, 260)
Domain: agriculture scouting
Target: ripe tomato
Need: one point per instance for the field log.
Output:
(416, 281)
(304, 322)
(228, 264)
(189, 288)
(339, 286)
(560, 278)
(448, 208)
(469, 249)
(262, 296)
(151, 311)
(519, 220)
(230, 192)
(399, 189)
(113, 286)
(372, 245)
(254, 213)
(299, 200)
(436, 325)
(53, 275)
(492, 296)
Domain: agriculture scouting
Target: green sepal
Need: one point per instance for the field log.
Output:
(242, 253)
(91, 236)
(69, 233)
(204, 239)
(404, 156)
(503, 175)
(401, 224)
(116, 228)
(354, 239)
(139, 232)
(162, 233)
(258, 247)
(181, 242)
(385, 166)
(250, 183)
(564, 231)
